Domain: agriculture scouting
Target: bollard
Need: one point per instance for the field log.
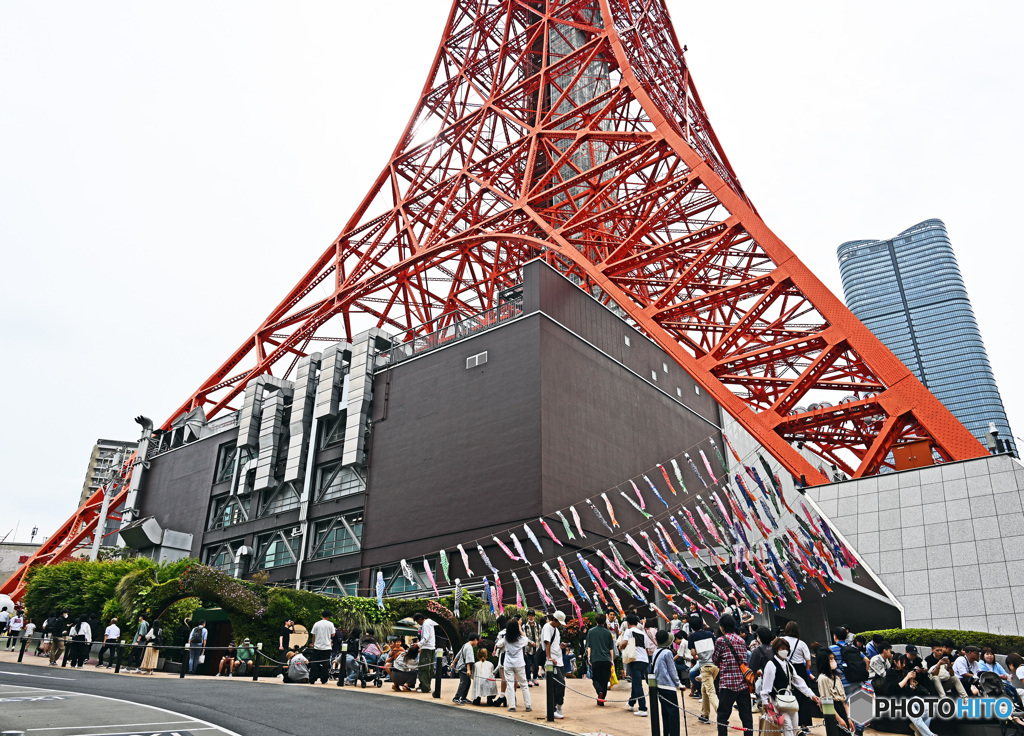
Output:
(256, 662)
(184, 662)
(67, 651)
(343, 669)
(21, 654)
(548, 669)
(654, 705)
(682, 713)
(120, 654)
(438, 653)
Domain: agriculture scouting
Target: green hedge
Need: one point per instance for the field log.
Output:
(999, 643)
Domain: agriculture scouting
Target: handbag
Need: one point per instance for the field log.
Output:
(202, 659)
(629, 652)
(786, 701)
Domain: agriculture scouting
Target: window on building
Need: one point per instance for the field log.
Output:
(664, 367)
(222, 556)
(277, 548)
(679, 392)
(340, 535)
(227, 511)
(335, 481)
(337, 585)
(696, 389)
(333, 430)
(654, 376)
(626, 338)
(280, 499)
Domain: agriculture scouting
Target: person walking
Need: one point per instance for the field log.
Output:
(154, 640)
(81, 639)
(57, 627)
(515, 665)
(633, 645)
(320, 662)
(729, 652)
(830, 687)
(777, 685)
(600, 646)
(196, 645)
(531, 628)
(551, 639)
(428, 645)
(702, 676)
(463, 667)
(665, 671)
(14, 627)
(800, 658)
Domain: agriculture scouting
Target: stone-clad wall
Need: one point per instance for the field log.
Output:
(948, 541)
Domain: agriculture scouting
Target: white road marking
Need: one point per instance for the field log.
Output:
(45, 677)
(112, 725)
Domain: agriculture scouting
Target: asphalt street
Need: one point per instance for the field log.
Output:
(251, 709)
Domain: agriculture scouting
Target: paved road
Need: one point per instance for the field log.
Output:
(246, 708)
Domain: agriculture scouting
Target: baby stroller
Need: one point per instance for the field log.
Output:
(358, 665)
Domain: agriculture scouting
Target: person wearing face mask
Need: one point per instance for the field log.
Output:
(777, 686)
(830, 687)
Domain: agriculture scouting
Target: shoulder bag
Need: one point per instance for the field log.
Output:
(786, 700)
(749, 675)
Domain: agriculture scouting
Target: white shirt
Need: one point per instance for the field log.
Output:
(30, 629)
(82, 630)
(963, 666)
(4, 617)
(427, 634)
(801, 654)
(111, 633)
(467, 655)
(322, 632)
(641, 648)
(514, 652)
(768, 679)
(551, 634)
(16, 623)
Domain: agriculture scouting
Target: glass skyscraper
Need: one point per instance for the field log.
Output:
(909, 292)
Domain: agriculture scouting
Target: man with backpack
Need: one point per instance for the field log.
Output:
(196, 646)
(463, 667)
(853, 666)
(57, 627)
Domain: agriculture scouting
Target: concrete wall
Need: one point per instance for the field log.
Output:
(10, 557)
(947, 541)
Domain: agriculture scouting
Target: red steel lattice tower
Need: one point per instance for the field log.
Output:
(571, 130)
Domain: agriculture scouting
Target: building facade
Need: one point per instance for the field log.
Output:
(909, 292)
(104, 456)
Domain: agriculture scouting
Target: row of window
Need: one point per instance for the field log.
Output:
(332, 537)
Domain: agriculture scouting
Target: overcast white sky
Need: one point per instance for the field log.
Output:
(169, 170)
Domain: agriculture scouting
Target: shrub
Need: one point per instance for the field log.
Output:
(1000, 643)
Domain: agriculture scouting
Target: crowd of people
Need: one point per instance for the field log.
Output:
(728, 664)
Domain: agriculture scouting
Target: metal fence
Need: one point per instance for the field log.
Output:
(446, 335)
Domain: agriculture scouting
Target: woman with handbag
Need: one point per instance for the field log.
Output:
(154, 640)
(778, 682)
(800, 658)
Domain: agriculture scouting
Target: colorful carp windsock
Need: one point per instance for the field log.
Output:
(633, 504)
(658, 611)
(579, 588)
(600, 518)
(565, 573)
(621, 560)
(611, 511)
(489, 597)
(668, 481)
(576, 518)
(520, 593)
(721, 458)
(380, 589)
(643, 555)
(597, 575)
(565, 523)
(554, 578)
(731, 448)
(457, 598)
(533, 538)
(511, 555)
(707, 465)
(679, 475)
(519, 548)
(500, 594)
(615, 600)
(550, 533)
(408, 574)
(654, 490)
(430, 577)
(444, 566)
(544, 597)
(465, 560)
(693, 467)
(636, 490)
(486, 559)
(614, 566)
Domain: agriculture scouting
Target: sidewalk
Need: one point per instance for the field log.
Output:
(582, 714)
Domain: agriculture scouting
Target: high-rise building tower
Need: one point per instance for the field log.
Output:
(909, 292)
(102, 460)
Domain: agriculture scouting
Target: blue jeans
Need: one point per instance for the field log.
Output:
(638, 678)
(923, 723)
(193, 659)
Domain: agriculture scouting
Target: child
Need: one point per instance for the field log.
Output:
(484, 685)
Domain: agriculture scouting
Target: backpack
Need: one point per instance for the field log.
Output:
(195, 639)
(854, 667)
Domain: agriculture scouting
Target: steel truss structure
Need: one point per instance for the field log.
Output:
(571, 130)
